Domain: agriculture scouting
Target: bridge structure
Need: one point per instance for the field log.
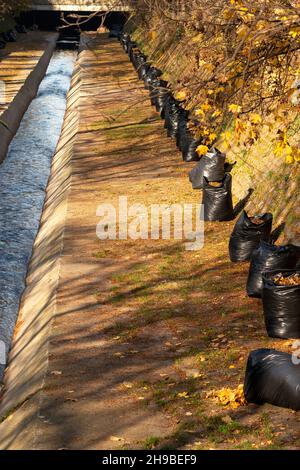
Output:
(82, 5)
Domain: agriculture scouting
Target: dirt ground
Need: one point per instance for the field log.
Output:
(145, 330)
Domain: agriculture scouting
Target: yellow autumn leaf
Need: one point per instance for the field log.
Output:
(183, 395)
(199, 112)
(242, 31)
(205, 107)
(216, 114)
(202, 149)
(294, 32)
(289, 159)
(234, 108)
(197, 38)
(239, 128)
(202, 62)
(255, 118)
(212, 137)
(181, 95)
(153, 35)
(226, 135)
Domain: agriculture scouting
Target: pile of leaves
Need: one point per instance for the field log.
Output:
(292, 280)
(229, 397)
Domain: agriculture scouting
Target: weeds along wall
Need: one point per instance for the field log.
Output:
(262, 135)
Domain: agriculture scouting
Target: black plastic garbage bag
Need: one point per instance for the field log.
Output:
(9, 36)
(152, 75)
(130, 47)
(143, 70)
(211, 166)
(134, 52)
(138, 58)
(272, 377)
(217, 201)
(125, 39)
(142, 66)
(159, 94)
(20, 28)
(281, 306)
(182, 133)
(172, 117)
(189, 146)
(247, 234)
(269, 257)
(153, 90)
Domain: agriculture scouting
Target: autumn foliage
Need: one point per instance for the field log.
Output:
(245, 67)
(12, 7)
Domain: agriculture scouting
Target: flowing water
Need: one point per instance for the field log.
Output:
(23, 180)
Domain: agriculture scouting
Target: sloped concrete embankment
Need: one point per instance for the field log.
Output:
(29, 355)
(13, 115)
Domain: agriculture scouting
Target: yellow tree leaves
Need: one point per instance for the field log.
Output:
(255, 118)
(234, 108)
(245, 60)
(202, 150)
(229, 397)
(181, 95)
(284, 149)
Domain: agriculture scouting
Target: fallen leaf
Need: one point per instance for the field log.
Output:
(128, 385)
(183, 394)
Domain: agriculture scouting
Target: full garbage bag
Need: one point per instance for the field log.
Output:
(159, 94)
(269, 257)
(281, 305)
(130, 46)
(153, 90)
(172, 116)
(142, 66)
(217, 200)
(182, 131)
(211, 166)
(247, 234)
(125, 39)
(138, 60)
(272, 377)
(152, 75)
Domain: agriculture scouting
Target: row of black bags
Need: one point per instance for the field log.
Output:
(171, 110)
(251, 241)
(217, 200)
(271, 376)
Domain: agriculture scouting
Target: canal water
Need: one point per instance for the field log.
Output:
(23, 179)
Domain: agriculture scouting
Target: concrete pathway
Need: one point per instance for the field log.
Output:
(18, 60)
